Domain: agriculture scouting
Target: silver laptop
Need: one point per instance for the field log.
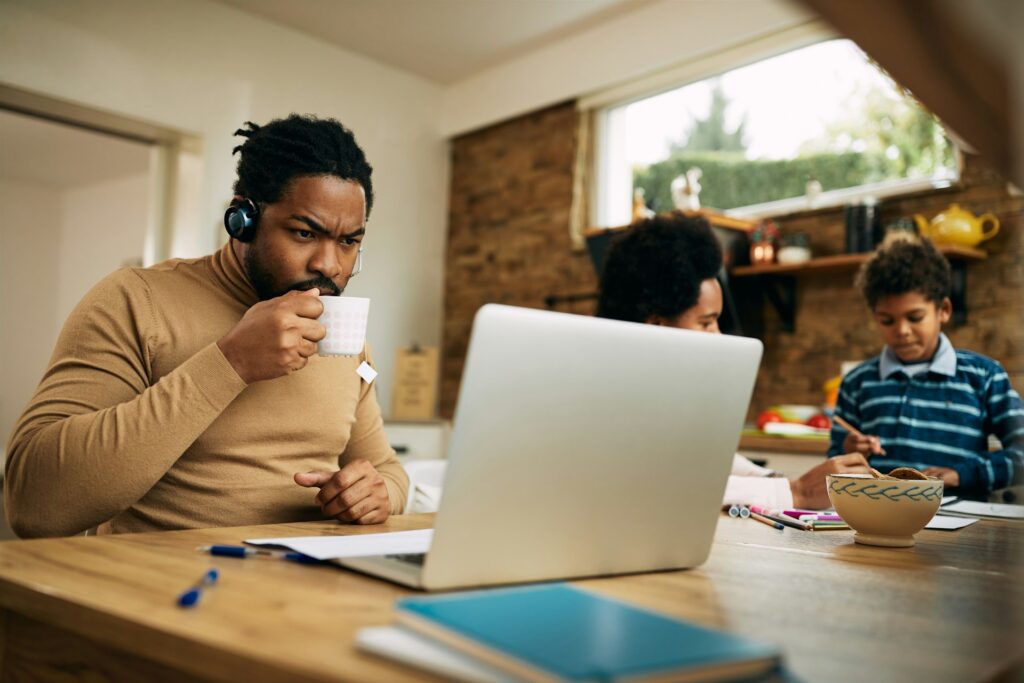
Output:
(582, 447)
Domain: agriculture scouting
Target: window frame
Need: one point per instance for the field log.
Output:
(610, 171)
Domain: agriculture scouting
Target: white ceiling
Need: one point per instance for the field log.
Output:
(443, 41)
(40, 152)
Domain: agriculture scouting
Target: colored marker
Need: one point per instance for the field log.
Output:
(190, 596)
(820, 518)
(765, 520)
(734, 510)
(795, 513)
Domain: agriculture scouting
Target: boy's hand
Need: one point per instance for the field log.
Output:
(947, 474)
(863, 444)
(809, 490)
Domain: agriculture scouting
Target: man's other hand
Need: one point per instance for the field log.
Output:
(809, 490)
(275, 337)
(355, 493)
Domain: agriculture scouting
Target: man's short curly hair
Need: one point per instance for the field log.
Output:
(656, 268)
(276, 153)
(905, 264)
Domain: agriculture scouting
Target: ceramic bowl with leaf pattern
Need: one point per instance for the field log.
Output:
(886, 512)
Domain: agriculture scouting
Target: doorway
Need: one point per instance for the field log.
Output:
(82, 193)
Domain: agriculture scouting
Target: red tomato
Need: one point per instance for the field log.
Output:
(819, 421)
(766, 417)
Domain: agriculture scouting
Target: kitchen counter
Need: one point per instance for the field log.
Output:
(782, 444)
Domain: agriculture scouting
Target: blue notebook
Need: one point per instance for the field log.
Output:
(553, 632)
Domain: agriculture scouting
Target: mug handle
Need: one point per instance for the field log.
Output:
(987, 235)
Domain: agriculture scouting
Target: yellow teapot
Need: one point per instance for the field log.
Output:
(958, 226)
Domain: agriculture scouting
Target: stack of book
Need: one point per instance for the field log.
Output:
(555, 632)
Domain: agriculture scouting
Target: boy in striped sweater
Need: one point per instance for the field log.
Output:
(923, 403)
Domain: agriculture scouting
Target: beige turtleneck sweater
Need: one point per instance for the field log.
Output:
(141, 424)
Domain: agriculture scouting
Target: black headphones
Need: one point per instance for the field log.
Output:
(240, 219)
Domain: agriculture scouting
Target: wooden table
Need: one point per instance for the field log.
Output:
(949, 609)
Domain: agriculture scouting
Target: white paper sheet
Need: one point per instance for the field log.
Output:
(975, 509)
(411, 648)
(363, 545)
(949, 523)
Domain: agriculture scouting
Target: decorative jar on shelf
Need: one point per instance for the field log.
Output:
(795, 248)
(762, 242)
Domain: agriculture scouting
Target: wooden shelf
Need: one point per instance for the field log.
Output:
(844, 262)
(777, 281)
(714, 218)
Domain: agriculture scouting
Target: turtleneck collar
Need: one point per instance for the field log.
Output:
(227, 270)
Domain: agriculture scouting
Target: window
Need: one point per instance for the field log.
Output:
(817, 126)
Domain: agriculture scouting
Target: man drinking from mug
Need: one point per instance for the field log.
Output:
(190, 394)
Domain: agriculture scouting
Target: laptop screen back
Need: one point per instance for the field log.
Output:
(584, 446)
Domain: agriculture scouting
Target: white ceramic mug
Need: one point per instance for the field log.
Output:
(345, 318)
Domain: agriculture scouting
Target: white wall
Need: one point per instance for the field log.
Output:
(205, 68)
(54, 246)
(102, 228)
(30, 226)
(656, 36)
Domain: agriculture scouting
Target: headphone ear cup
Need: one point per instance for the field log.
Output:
(240, 220)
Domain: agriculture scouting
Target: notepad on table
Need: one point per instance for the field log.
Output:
(972, 508)
(553, 632)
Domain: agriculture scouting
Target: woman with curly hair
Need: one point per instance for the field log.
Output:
(662, 272)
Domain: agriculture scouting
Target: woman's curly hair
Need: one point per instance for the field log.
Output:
(656, 268)
(904, 263)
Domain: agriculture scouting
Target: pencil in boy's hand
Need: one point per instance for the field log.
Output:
(856, 432)
(846, 425)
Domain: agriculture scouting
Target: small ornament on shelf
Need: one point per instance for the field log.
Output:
(762, 242)
(794, 248)
(686, 190)
(640, 210)
(812, 190)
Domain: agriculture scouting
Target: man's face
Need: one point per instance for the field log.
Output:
(702, 316)
(910, 324)
(310, 238)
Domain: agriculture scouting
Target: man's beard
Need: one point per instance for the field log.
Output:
(266, 288)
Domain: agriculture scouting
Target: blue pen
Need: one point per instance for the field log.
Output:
(190, 597)
(243, 551)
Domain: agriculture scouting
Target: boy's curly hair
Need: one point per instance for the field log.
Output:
(904, 263)
(657, 267)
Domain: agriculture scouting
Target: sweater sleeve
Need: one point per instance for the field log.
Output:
(98, 434)
(1004, 419)
(368, 442)
(847, 407)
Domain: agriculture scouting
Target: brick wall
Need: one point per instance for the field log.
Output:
(508, 242)
(508, 229)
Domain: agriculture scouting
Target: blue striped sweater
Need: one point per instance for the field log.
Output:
(938, 418)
